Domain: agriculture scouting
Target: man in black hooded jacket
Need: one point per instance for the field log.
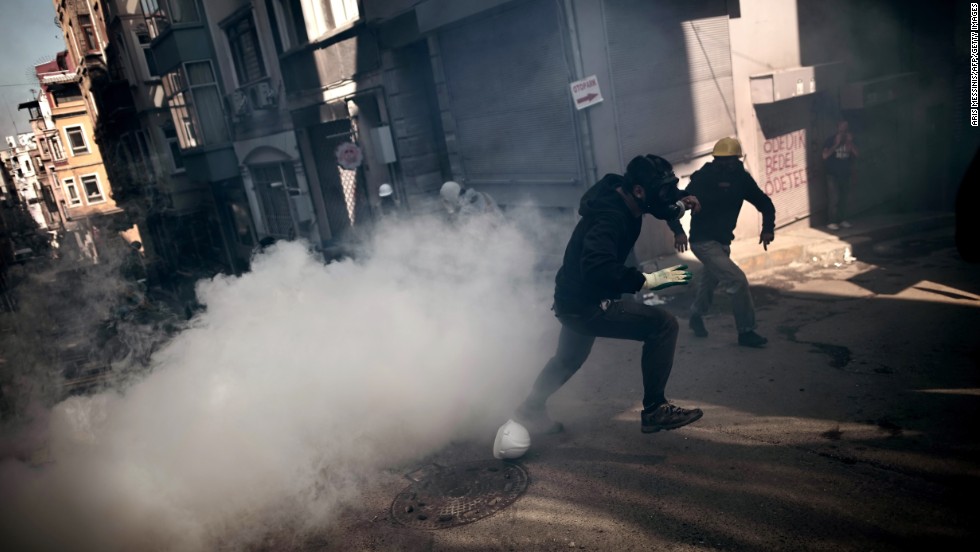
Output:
(592, 280)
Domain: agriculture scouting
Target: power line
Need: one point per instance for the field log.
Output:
(19, 84)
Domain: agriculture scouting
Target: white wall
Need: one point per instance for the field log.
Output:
(764, 38)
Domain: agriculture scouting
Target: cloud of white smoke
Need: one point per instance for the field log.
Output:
(298, 381)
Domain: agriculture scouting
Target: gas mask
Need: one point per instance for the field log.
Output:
(656, 176)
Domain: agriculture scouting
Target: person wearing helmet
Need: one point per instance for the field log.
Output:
(592, 280)
(722, 185)
(386, 194)
(461, 203)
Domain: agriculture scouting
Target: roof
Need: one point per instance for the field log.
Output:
(58, 78)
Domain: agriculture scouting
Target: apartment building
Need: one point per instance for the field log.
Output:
(182, 229)
(81, 186)
(23, 164)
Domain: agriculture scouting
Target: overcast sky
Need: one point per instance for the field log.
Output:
(28, 36)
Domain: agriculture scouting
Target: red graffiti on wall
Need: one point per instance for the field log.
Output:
(784, 159)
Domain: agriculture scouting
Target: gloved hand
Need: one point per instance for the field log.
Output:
(674, 276)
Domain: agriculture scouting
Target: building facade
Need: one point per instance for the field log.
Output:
(81, 186)
(284, 117)
(178, 216)
(24, 165)
(486, 93)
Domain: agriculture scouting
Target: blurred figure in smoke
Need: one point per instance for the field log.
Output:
(839, 153)
(389, 205)
(722, 185)
(461, 202)
(590, 284)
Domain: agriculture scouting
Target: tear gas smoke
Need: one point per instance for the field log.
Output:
(297, 382)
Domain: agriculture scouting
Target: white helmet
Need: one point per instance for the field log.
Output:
(512, 441)
(450, 195)
(385, 190)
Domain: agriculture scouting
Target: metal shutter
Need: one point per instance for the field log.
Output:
(507, 82)
(670, 63)
(788, 162)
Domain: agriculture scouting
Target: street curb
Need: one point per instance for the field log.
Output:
(814, 245)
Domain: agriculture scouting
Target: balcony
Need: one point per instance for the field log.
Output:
(257, 96)
(178, 45)
(254, 109)
(95, 67)
(211, 163)
(318, 65)
(116, 105)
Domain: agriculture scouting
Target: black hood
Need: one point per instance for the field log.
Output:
(716, 167)
(602, 196)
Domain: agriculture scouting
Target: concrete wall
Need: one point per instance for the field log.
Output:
(410, 88)
(764, 37)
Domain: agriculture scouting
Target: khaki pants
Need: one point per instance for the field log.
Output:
(720, 269)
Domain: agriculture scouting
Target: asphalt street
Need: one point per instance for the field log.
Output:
(855, 429)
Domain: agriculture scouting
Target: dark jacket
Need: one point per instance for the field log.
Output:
(593, 268)
(721, 189)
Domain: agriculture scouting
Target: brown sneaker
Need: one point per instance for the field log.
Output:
(668, 416)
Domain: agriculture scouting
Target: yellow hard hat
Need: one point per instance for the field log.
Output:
(727, 147)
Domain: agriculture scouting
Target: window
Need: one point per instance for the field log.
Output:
(289, 23)
(135, 153)
(298, 21)
(143, 38)
(161, 14)
(71, 192)
(323, 16)
(195, 105)
(39, 163)
(56, 150)
(274, 184)
(170, 134)
(144, 149)
(93, 191)
(245, 51)
(89, 41)
(76, 140)
(66, 93)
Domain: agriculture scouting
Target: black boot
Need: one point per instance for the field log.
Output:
(697, 324)
(751, 339)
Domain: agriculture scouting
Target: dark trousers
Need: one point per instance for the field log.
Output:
(655, 327)
(838, 187)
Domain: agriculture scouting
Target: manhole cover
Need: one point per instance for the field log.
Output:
(446, 496)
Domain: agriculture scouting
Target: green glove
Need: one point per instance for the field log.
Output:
(673, 276)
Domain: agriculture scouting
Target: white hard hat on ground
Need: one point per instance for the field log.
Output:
(385, 190)
(512, 441)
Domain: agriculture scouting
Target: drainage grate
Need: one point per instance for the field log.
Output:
(447, 496)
